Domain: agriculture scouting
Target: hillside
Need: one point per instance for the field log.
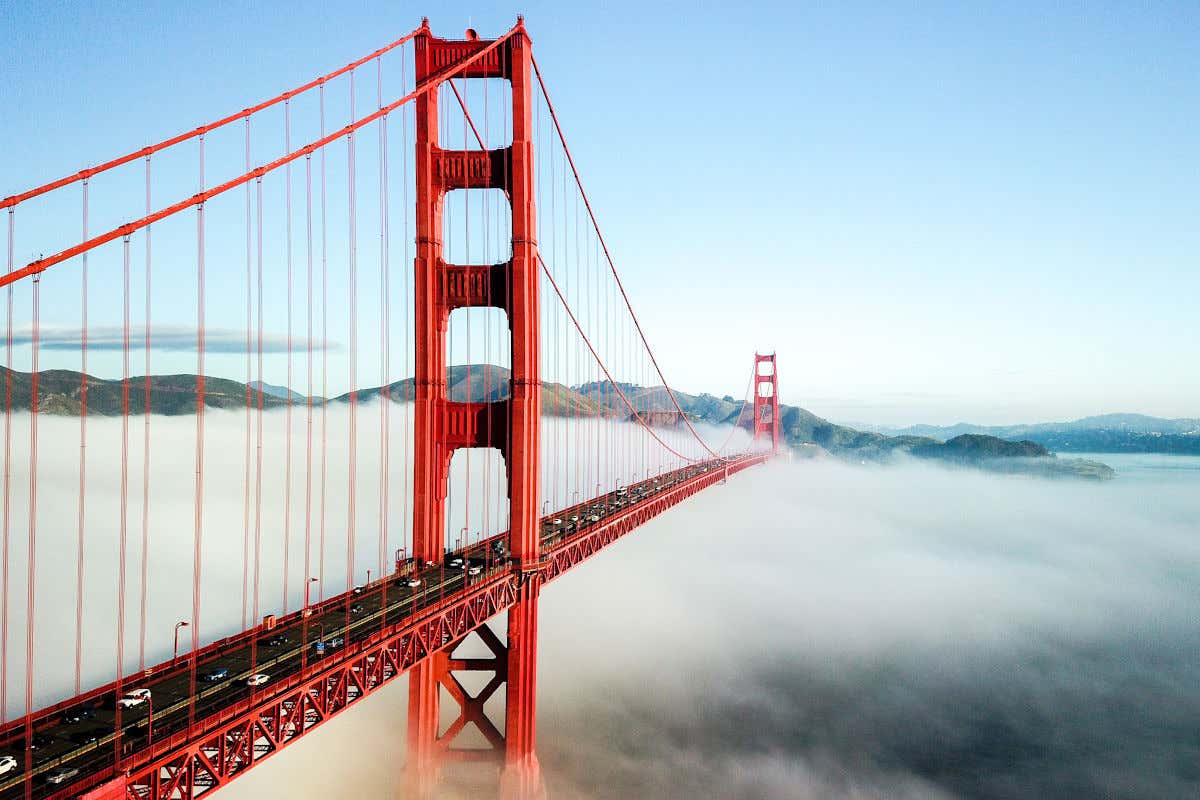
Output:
(59, 393)
(1107, 433)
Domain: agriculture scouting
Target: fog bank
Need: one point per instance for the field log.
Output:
(821, 631)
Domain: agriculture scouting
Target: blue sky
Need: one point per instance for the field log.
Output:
(932, 213)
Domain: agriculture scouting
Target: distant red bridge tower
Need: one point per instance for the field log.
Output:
(510, 425)
(766, 400)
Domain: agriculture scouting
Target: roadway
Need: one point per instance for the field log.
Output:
(83, 737)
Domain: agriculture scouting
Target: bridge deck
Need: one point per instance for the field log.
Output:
(186, 707)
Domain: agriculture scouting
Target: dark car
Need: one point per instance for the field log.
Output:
(275, 641)
(357, 608)
(40, 740)
(216, 674)
(76, 715)
(85, 737)
(453, 561)
(61, 774)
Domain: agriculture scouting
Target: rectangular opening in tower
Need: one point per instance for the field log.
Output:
(476, 227)
(477, 499)
(478, 354)
(489, 108)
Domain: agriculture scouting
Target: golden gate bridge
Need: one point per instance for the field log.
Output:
(457, 198)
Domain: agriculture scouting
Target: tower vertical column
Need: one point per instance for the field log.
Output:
(766, 400)
(510, 425)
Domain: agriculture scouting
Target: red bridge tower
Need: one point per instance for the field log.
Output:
(510, 425)
(766, 400)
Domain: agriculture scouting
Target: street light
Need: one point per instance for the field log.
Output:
(368, 577)
(178, 625)
(307, 584)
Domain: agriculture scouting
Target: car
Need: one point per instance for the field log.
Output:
(257, 679)
(76, 715)
(275, 641)
(357, 608)
(134, 697)
(556, 522)
(453, 561)
(335, 641)
(594, 518)
(216, 674)
(40, 740)
(61, 774)
(474, 569)
(412, 581)
(85, 737)
(7, 764)
(358, 589)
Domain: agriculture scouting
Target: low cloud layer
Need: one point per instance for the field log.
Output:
(809, 630)
(167, 338)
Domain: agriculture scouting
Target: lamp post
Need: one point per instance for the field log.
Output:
(178, 625)
(307, 584)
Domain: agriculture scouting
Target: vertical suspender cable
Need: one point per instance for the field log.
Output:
(31, 573)
(8, 381)
(145, 449)
(249, 404)
(258, 433)
(198, 536)
(83, 387)
(352, 464)
(287, 427)
(404, 322)
(308, 417)
(384, 393)
(123, 499)
(324, 351)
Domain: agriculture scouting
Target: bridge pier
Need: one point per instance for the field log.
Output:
(512, 666)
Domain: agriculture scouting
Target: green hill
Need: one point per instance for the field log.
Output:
(59, 392)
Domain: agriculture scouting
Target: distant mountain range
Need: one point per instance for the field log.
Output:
(59, 392)
(1107, 433)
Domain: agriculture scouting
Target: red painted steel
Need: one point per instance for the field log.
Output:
(766, 400)
(511, 425)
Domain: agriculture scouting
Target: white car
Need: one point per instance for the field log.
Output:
(257, 679)
(7, 764)
(134, 697)
(413, 582)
